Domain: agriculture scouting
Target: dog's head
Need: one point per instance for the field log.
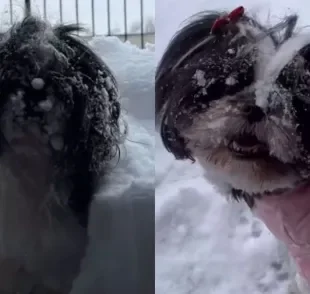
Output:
(59, 108)
(237, 101)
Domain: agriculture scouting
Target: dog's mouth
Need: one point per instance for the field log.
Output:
(247, 146)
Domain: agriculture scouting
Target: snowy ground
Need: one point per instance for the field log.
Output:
(122, 214)
(204, 244)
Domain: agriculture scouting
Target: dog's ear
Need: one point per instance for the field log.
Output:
(296, 78)
(95, 132)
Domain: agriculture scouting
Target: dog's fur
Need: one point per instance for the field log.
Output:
(59, 134)
(207, 98)
(246, 84)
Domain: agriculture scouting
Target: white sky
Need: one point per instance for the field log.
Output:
(69, 13)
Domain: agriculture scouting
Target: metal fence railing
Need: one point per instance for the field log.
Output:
(101, 17)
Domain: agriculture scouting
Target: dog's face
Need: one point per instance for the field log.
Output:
(239, 105)
(59, 110)
(33, 111)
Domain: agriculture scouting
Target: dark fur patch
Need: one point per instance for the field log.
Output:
(85, 85)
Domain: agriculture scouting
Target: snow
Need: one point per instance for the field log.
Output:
(206, 244)
(37, 83)
(136, 74)
(46, 105)
(274, 64)
(200, 78)
(121, 215)
(230, 81)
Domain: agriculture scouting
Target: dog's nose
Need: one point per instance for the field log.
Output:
(253, 113)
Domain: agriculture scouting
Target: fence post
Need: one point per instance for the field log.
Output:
(11, 12)
(142, 23)
(27, 7)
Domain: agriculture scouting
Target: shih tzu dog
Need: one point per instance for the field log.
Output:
(235, 96)
(60, 132)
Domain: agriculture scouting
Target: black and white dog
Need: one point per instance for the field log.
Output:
(60, 132)
(235, 96)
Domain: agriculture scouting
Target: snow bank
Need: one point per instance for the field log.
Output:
(135, 70)
(208, 245)
(121, 249)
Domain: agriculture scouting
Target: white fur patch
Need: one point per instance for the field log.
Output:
(265, 46)
(275, 64)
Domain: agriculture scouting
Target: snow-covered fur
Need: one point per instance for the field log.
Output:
(238, 103)
(60, 133)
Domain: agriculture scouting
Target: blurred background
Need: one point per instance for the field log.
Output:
(129, 20)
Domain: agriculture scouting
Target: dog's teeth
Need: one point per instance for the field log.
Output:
(46, 105)
(37, 83)
(57, 142)
(235, 146)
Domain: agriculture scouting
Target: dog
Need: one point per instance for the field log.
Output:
(233, 95)
(60, 130)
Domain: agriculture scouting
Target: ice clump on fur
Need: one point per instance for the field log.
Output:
(46, 105)
(37, 83)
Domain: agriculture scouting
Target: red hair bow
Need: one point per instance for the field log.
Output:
(232, 17)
